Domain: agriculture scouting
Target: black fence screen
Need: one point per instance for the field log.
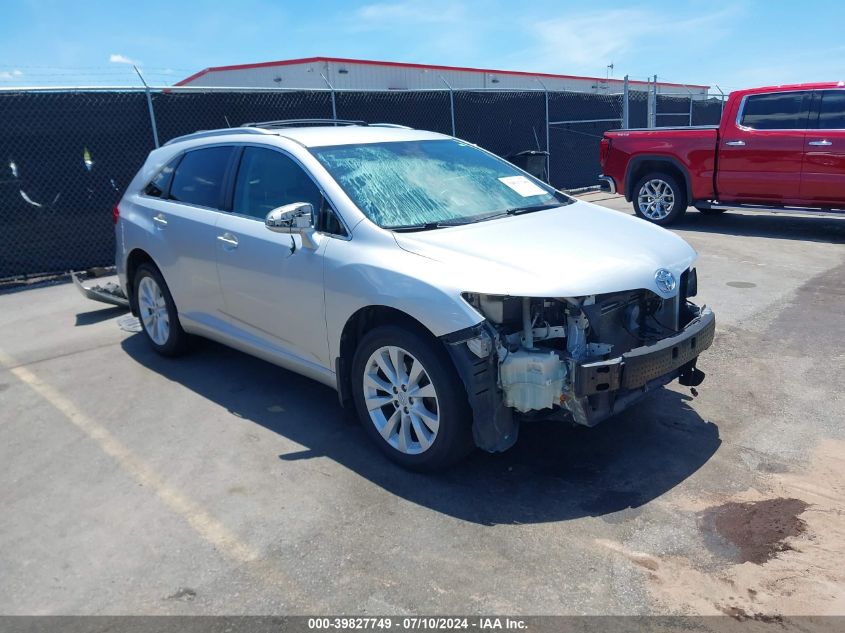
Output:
(66, 157)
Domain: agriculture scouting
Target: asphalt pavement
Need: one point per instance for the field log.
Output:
(220, 484)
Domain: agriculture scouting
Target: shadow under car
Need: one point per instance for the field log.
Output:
(555, 472)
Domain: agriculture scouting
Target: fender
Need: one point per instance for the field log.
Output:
(639, 158)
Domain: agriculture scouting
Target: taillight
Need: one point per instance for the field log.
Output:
(115, 214)
(604, 149)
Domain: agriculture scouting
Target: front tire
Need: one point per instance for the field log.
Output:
(659, 198)
(157, 312)
(410, 399)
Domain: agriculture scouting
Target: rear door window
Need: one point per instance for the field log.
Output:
(200, 176)
(832, 110)
(776, 111)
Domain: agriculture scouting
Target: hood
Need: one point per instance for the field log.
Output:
(576, 250)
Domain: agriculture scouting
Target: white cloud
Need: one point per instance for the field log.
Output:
(428, 31)
(409, 12)
(587, 42)
(10, 74)
(116, 58)
(785, 69)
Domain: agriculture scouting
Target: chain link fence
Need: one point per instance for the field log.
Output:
(66, 156)
(677, 110)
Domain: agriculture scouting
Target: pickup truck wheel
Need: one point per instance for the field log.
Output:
(157, 312)
(659, 198)
(410, 399)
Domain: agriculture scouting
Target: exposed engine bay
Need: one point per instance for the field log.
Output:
(586, 358)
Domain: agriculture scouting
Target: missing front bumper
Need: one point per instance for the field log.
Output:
(636, 368)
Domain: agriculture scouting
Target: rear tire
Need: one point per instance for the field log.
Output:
(659, 198)
(157, 312)
(419, 416)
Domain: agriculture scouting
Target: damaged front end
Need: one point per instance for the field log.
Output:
(582, 359)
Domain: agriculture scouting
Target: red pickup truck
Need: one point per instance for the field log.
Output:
(780, 148)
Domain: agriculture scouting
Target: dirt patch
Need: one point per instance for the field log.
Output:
(757, 529)
(805, 579)
(740, 614)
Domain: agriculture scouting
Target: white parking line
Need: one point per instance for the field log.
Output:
(209, 528)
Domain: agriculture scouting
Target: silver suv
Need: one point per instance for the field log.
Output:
(444, 293)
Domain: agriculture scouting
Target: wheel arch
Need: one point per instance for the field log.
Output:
(135, 258)
(356, 327)
(645, 163)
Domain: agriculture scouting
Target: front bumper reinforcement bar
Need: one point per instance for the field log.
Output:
(637, 367)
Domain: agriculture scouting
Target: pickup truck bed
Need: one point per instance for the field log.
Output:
(778, 148)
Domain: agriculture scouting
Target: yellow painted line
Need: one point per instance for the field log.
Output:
(209, 528)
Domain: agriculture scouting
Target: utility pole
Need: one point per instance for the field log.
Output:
(652, 102)
(626, 111)
(149, 106)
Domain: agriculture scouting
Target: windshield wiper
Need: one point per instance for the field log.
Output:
(531, 209)
(441, 224)
(423, 226)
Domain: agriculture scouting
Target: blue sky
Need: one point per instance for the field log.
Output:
(732, 44)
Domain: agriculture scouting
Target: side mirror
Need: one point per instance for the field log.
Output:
(296, 219)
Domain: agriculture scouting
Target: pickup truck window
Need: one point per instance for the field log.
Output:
(832, 110)
(775, 111)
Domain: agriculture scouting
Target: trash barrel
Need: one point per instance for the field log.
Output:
(531, 160)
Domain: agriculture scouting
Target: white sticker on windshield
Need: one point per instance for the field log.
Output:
(523, 186)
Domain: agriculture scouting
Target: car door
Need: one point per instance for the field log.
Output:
(762, 150)
(184, 208)
(823, 176)
(271, 284)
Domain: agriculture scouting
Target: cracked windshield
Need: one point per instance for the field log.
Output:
(425, 183)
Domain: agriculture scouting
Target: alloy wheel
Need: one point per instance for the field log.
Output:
(153, 310)
(401, 400)
(656, 199)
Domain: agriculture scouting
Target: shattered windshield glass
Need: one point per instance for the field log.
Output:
(416, 183)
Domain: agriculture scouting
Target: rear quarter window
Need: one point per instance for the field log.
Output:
(160, 185)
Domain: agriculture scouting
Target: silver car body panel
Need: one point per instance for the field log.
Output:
(289, 306)
(572, 251)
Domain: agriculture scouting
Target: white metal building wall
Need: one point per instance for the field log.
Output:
(353, 75)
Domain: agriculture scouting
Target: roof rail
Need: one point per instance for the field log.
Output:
(301, 122)
(220, 132)
(396, 125)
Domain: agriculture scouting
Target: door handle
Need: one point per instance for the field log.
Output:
(735, 143)
(823, 143)
(229, 240)
(160, 220)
